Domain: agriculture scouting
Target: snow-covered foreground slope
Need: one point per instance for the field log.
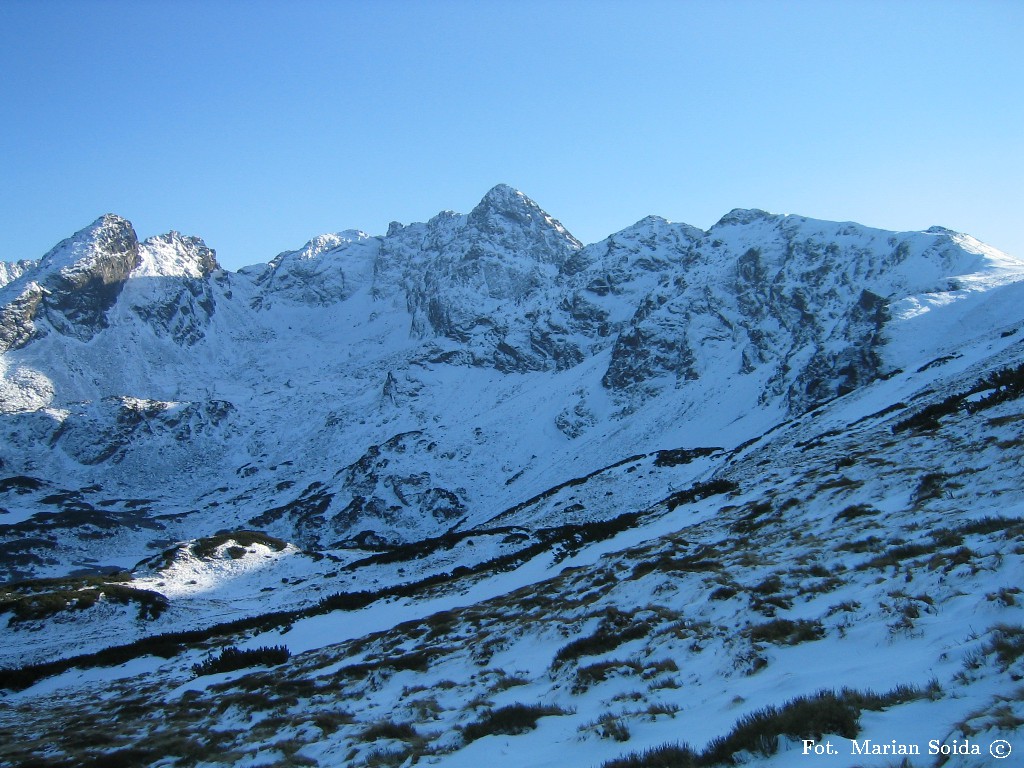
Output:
(835, 553)
(643, 488)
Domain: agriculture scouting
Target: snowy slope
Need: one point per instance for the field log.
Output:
(438, 417)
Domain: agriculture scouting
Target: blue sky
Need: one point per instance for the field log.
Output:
(258, 125)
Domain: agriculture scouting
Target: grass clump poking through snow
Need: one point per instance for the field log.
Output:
(387, 729)
(787, 632)
(1007, 644)
(805, 717)
(511, 720)
(232, 658)
(665, 756)
(854, 511)
(615, 629)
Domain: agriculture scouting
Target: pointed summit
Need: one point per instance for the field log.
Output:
(502, 201)
(507, 216)
(744, 216)
(73, 286)
(110, 240)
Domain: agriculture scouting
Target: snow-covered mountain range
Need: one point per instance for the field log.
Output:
(748, 464)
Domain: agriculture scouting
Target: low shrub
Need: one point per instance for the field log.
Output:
(699, 491)
(330, 721)
(803, 718)
(1007, 644)
(768, 586)
(675, 457)
(869, 544)
(232, 658)
(992, 524)
(615, 629)
(40, 599)
(758, 515)
(511, 720)
(947, 561)
(592, 674)
(665, 756)
(931, 486)
(928, 417)
(666, 564)
(854, 511)
(787, 631)
(1006, 595)
(896, 555)
(611, 727)
(387, 729)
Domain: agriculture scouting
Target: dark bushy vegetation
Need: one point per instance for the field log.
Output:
(665, 756)
(698, 562)
(20, 484)
(387, 729)
(1006, 384)
(567, 484)
(1002, 385)
(592, 674)
(805, 717)
(511, 720)
(757, 516)
(723, 592)
(36, 599)
(615, 629)
(699, 491)
(1014, 526)
(414, 661)
(854, 511)
(677, 456)
(787, 631)
(1007, 644)
(232, 658)
(206, 546)
(928, 417)
(896, 555)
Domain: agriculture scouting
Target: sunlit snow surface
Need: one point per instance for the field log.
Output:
(282, 381)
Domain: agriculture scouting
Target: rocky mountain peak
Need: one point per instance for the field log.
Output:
(325, 270)
(73, 285)
(108, 245)
(744, 216)
(502, 198)
(320, 245)
(505, 215)
(12, 270)
(176, 255)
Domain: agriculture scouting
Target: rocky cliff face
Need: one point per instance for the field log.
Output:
(326, 270)
(12, 270)
(73, 286)
(172, 288)
(483, 281)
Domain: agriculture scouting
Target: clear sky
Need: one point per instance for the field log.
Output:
(257, 125)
